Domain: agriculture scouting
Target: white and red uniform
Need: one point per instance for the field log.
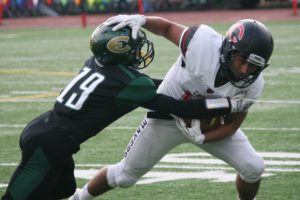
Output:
(194, 72)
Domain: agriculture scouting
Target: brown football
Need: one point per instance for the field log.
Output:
(207, 124)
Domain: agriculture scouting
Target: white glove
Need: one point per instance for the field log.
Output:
(240, 104)
(194, 133)
(133, 21)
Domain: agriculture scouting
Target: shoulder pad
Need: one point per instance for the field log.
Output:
(186, 38)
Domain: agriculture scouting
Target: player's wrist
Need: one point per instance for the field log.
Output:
(201, 138)
(219, 103)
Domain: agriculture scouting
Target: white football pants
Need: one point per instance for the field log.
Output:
(156, 137)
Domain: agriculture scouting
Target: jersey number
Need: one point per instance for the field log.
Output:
(87, 87)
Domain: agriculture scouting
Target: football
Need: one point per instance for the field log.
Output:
(207, 124)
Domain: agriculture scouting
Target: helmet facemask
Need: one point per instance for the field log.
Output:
(144, 54)
(233, 76)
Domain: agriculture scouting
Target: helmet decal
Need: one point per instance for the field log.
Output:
(240, 29)
(118, 44)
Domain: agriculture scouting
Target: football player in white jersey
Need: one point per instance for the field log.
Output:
(209, 65)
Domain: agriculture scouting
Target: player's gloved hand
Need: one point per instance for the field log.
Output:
(240, 104)
(194, 133)
(133, 21)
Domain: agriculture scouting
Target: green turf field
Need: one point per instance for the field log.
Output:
(36, 64)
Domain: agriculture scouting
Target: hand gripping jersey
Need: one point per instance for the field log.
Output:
(195, 70)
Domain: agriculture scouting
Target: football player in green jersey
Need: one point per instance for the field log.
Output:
(107, 87)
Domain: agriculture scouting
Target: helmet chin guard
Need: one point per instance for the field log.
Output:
(254, 42)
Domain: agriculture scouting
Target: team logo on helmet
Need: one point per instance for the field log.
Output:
(118, 44)
(236, 32)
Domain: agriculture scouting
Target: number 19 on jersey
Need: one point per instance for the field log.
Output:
(76, 99)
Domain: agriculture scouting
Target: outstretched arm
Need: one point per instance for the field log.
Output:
(160, 26)
(157, 25)
(196, 108)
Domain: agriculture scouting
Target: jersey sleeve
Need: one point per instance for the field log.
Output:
(186, 37)
(138, 90)
(253, 92)
(256, 88)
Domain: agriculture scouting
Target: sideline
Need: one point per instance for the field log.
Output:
(189, 18)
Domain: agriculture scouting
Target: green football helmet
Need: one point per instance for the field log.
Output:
(118, 47)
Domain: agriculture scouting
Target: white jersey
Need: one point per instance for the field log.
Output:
(195, 70)
(193, 73)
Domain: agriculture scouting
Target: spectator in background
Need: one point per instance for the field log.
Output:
(83, 6)
(106, 5)
(147, 6)
(161, 4)
(13, 7)
(123, 6)
(3, 10)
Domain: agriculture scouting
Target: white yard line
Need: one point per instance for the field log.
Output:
(283, 129)
(29, 92)
(178, 166)
(282, 159)
(278, 101)
(32, 82)
(264, 154)
(29, 101)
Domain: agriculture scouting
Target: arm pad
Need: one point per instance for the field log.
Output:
(194, 108)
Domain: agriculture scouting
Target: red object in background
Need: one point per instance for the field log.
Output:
(1, 11)
(295, 4)
(49, 2)
(83, 19)
(140, 7)
(77, 2)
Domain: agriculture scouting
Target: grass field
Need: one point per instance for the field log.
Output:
(36, 64)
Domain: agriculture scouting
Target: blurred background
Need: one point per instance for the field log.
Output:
(32, 8)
